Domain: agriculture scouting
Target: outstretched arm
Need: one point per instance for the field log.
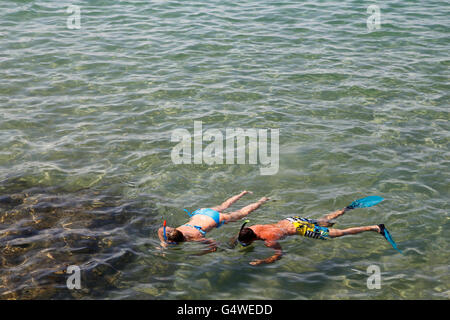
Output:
(236, 215)
(212, 246)
(161, 239)
(230, 201)
(233, 241)
(278, 253)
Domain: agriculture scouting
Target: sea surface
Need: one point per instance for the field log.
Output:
(87, 116)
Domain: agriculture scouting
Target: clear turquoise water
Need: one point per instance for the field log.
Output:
(86, 176)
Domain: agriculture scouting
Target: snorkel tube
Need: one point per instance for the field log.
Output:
(242, 227)
(164, 233)
(164, 226)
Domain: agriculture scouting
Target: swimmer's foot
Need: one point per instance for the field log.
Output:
(385, 233)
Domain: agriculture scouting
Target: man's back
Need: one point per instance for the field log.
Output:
(272, 232)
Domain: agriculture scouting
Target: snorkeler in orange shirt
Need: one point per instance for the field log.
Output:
(317, 229)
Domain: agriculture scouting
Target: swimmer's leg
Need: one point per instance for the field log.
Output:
(335, 214)
(326, 221)
(236, 215)
(334, 233)
(229, 202)
(360, 203)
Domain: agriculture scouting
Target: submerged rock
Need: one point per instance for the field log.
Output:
(41, 234)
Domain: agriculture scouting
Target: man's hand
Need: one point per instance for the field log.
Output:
(268, 260)
(278, 253)
(264, 199)
(256, 262)
(233, 242)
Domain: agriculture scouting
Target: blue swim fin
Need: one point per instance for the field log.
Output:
(365, 202)
(388, 237)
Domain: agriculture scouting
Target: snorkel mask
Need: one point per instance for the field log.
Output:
(242, 227)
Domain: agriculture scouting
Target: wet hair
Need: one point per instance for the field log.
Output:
(175, 235)
(246, 235)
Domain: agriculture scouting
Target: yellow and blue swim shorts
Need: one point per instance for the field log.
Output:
(309, 228)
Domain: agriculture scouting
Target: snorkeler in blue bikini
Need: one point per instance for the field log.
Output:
(205, 219)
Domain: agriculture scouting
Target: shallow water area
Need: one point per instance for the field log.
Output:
(86, 118)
